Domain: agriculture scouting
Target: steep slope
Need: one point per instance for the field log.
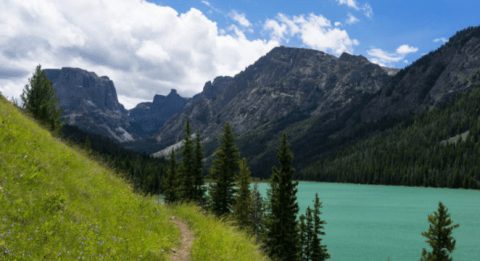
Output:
(148, 117)
(281, 89)
(56, 203)
(324, 103)
(429, 80)
(90, 102)
(283, 82)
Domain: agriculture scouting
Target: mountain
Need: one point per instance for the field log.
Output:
(90, 102)
(283, 88)
(147, 117)
(324, 103)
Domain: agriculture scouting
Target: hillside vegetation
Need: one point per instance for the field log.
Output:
(56, 203)
(439, 148)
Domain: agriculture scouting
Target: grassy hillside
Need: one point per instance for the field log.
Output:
(56, 203)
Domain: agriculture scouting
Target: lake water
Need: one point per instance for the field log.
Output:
(366, 222)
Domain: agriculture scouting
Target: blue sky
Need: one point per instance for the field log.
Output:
(150, 47)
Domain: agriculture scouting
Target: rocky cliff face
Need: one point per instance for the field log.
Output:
(90, 102)
(284, 83)
(148, 117)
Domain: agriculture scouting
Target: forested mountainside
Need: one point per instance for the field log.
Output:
(439, 148)
(323, 102)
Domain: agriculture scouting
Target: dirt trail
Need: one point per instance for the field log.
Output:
(182, 254)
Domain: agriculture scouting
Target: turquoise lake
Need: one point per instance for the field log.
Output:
(366, 222)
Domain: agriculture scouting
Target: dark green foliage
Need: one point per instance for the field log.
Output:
(319, 252)
(281, 239)
(439, 236)
(87, 146)
(145, 172)
(40, 101)
(198, 189)
(187, 166)
(256, 214)
(171, 183)
(243, 199)
(415, 153)
(303, 236)
(223, 173)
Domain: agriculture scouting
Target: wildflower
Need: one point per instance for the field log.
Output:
(1, 235)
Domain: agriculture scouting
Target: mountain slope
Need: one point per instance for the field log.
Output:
(90, 102)
(56, 203)
(323, 102)
(438, 148)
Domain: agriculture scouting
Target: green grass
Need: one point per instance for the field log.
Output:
(56, 203)
(215, 239)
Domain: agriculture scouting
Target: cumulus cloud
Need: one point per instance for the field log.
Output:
(351, 19)
(338, 24)
(144, 48)
(240, 18)
(383, 58)
(315, 32)
(441, 39)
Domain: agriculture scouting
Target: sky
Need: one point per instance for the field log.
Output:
(150, 47)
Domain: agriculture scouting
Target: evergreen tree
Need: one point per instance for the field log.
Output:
(282, 239)
(439, 236)
(243, 200)
(319, 252)
(198, 189)
(223, 173)
(40, 100)
(87, 146)
(303, 236)
(309, 234)
(171, 183)
(257, 212)
(187, 166)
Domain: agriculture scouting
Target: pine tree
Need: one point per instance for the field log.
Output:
(187, 166)
(171, 183)
(256, 215)
(243, 199)
(439, 236)
(319, 252)
(40, 100)
(303, 236)
(282, 239)
(87, 146)
(309, 234)
(198, 189)
(223, 173)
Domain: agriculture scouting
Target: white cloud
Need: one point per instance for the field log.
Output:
(205, 3)
(240, 18)
(338, 24)
(405, 61)
(405, 49)
(315, 32)
(351, 19)
(145, 49)
(383, 58)
(367, 8)
(441, 39)
(349, 3)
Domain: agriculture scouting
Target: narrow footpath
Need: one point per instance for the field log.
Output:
(182, 254)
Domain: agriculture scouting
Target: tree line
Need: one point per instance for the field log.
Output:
(438, 148)
(272, 221)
